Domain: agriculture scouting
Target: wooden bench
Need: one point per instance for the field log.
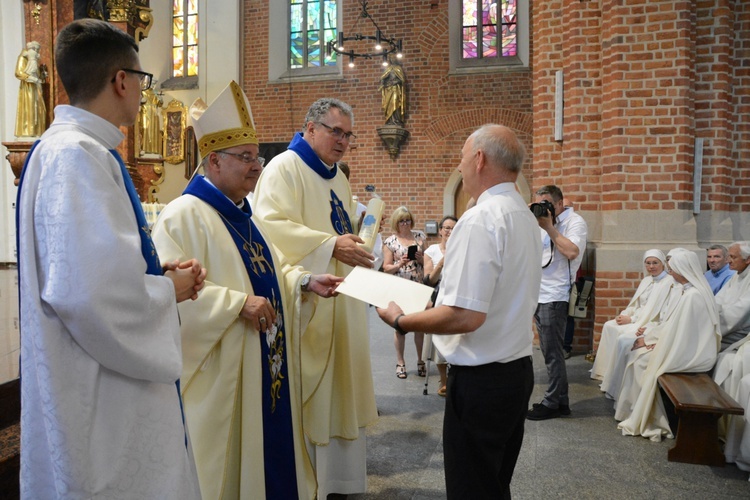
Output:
(699, 403)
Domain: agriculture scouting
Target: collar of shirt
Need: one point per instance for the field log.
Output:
(94, 125)
(720, 271)
(503, 187)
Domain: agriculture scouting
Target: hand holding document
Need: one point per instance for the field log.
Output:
(379, 289)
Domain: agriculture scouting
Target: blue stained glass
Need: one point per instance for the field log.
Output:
(297, 48)
(313, 49)
(313, 15)
(329, 15)
(295, 18)
(330, 35)
(311, 23)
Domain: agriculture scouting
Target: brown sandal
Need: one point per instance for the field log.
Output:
(401, 371)
(421, 369)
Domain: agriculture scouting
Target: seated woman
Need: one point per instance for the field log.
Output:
(687, 341)
(643, 307)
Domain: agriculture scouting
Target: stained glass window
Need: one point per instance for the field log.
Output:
(184, 38)
(312, 23)
(487, 33)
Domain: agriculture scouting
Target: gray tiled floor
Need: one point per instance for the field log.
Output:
(583, 456)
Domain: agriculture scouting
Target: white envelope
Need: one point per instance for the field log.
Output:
(379, 289)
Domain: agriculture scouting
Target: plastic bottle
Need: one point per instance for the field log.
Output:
(371, 223)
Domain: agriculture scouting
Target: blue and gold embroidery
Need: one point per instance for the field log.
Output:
(257, 258)
(339, 217)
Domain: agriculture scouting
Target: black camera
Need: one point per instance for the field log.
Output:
(542, 209)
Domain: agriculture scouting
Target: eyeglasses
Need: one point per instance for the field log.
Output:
(146, 78)
(405, 221)
(339, 133)
(447, 228)
(245, 157)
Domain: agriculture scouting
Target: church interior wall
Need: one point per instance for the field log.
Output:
(11, 43)
(219, 62)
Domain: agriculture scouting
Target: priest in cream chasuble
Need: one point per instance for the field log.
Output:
(306, 206)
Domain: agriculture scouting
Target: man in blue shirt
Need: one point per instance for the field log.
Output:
(718, 267)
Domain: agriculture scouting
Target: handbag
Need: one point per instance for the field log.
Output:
(579, 299)
(580, 294)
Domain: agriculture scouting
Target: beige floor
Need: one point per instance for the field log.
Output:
(9, 339)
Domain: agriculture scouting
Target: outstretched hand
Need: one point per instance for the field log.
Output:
(350, 253)
(324, 285)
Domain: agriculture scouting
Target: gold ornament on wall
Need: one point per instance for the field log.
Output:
(175, 118)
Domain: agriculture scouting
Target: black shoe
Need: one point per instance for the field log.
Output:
(541, 412)
(564, 409)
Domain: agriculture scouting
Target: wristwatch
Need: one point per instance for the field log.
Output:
(305, 282)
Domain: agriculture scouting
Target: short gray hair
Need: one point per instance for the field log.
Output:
(321, 107)
(723, 249)
(504, 150)
(744, 248)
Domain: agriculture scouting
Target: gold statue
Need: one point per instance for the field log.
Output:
(393, 90)
(148, 122)
(31, 116)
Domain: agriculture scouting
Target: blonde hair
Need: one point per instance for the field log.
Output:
(400, 214)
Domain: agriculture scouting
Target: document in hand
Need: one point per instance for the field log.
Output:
(379, 289)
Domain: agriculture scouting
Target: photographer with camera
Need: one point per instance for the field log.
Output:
(563, 234)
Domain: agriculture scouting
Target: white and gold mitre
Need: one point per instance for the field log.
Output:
(227, 122)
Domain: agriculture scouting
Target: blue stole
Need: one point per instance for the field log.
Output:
(18, 239)
(153, 266)
(148, 249)
(278, 434)
(339, 217)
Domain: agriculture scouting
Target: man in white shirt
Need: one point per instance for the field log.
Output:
(563, 237)
(488, 293)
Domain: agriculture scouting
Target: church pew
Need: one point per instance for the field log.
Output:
(699, 403)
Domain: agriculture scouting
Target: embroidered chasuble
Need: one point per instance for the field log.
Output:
(304, 206)
(240, 386)
(301, 206)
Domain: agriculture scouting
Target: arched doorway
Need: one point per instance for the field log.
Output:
(455, 198)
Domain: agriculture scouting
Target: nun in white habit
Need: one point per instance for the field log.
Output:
(643, 308)
(688, 341)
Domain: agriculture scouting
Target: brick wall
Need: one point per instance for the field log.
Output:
(642, 80)
(443, 109)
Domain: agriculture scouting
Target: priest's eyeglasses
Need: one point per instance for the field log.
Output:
(245, 157)
(339, 134)
(146, 78)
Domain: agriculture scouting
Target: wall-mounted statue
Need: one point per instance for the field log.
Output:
(31, 116)
(393, 91)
